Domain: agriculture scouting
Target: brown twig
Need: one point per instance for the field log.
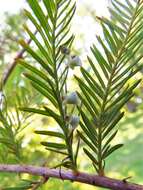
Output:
(12, 66)
(94, 180)
(43, 180)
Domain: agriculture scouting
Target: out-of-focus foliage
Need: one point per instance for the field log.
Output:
(10, 31)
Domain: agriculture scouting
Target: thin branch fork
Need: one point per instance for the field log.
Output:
(72, 176)
(8, 71)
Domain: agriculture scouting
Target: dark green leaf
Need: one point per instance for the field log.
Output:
(54, 145)
(57, 151)
(91, 157)
(89, 144)
(96, 73)
(111, 150)
(51, 133)
(37, 10)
